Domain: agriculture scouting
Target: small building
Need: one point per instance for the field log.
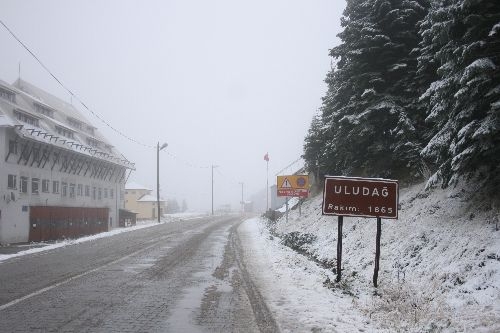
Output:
(139, 199)
(127, 218)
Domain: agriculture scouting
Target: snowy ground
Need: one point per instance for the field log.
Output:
(293, 286)
(440, 267)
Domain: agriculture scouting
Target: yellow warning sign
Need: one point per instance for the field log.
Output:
(293, 186)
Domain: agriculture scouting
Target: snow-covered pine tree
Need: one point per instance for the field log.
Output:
(463, 37)
(314, 141)
(369, 113)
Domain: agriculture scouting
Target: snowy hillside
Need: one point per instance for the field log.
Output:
(439, 267)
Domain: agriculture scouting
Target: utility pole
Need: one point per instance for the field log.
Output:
(242, 201)
(213, 166)
(158, 148)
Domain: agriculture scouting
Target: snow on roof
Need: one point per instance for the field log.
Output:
(27, 95)
(64, 109)
(136, 186)
(149, 198)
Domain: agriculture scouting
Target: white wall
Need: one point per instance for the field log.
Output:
(14, 222)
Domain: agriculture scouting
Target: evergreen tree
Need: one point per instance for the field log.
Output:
(463, 39)
(172, 206)
(369, 118)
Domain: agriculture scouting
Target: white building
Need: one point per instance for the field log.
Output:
(59, 177)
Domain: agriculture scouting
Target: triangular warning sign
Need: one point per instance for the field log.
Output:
(286, 184)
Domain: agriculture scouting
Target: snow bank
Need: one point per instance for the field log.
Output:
(439, 268)
(293, 286)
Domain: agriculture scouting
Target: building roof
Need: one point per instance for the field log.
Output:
(148, 198)
(27, 96)
(136, 186)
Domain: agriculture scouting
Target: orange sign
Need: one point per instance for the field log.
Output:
(293, 186)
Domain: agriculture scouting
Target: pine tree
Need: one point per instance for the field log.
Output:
(370, 117)
(463, 39)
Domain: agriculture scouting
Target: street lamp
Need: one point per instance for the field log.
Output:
(158, 148)
(242, 202)
(213, 166)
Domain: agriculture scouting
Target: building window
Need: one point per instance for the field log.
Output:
(94, 192)
(10, 96)
(64, 189)
(55, 186)
(90, 130)
(44, 110)
(35, 183)
(79, 190)
(24, 185)
(99, 194)
(105, 193)
(45, 185)
(87, 191)
(93, 143)
(12, 147)
(75, 123)
(25, 118)
(72, 190)
(12, 182)
(65, 132)
(111, 193)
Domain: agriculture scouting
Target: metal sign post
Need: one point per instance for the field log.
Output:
(339, 247)
(377, 252)
(286, 202)
(292, 186)
(360, 197)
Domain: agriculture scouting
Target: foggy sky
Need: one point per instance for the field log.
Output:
(222, 82)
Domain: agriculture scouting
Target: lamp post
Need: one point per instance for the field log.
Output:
(242, 202)
(213, 166)
(158, 148)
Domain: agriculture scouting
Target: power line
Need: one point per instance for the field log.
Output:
(70, 92)
(288, 166)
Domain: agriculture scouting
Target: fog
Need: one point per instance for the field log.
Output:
(222, 82)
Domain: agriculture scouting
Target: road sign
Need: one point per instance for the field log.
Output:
(293, 186)
(364, 197)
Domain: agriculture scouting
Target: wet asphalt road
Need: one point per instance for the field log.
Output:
(186, 276)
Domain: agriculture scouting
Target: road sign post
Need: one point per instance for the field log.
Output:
(377, 252)
(339, 247)
(360, 197)
(292, 186)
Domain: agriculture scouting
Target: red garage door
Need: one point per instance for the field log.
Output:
(50, 223)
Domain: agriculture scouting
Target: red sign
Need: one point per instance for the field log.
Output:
(364, 197)
(301, 193)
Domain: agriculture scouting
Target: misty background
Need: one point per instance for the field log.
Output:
(222, 82)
